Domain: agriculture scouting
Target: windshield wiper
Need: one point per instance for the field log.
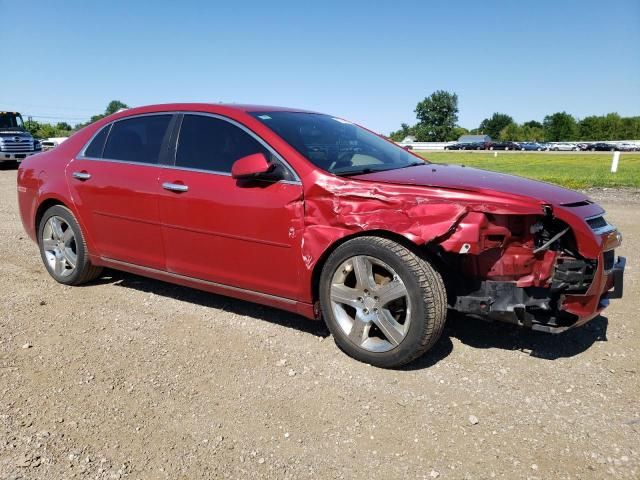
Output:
(413, 164)
(363, 171)
(360, 171)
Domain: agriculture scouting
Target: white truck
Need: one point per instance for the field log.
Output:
(16, 143)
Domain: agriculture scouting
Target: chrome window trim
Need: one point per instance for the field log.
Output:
(81, 156)
(242, 127)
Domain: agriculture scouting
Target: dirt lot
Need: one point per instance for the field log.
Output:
(129, 377)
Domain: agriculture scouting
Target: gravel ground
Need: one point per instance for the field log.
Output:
(134, 378)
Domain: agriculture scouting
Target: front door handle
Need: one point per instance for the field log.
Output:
(175, 187)
(81, 176)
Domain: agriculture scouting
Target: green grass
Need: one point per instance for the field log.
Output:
(576, 171)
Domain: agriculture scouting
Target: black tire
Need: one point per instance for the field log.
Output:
(84, 271)
(426, 293)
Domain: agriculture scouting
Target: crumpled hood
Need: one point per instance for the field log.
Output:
(476, 180)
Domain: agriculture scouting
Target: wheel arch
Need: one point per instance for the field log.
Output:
(45, 203)
(396, 237)
(43, 206)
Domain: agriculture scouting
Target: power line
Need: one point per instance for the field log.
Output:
(56, 117)
(31, 105)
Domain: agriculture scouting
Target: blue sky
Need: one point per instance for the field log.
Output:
(367, 61)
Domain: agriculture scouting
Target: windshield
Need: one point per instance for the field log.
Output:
(10, 120)
(335, 145)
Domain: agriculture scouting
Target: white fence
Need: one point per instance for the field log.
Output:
(425, 145)
(441, 145)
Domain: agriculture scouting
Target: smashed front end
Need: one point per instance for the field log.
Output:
(548, 272)
(503, 256)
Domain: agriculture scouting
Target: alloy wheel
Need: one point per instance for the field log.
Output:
(59, 246)
(370, 303)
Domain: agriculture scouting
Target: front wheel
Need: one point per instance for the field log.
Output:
(63, 248)
(383, 304)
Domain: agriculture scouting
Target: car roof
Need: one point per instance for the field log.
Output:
(211, 107)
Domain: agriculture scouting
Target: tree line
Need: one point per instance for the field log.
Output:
(437, 117)
(63, 129)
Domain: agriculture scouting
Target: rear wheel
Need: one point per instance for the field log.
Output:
(63, 248)
(383, 304)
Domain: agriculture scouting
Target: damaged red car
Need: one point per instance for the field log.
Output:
(313, 214)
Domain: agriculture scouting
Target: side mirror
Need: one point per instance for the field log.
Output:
(250, 166)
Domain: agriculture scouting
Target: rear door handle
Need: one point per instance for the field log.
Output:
(175, 187)
(81, 176)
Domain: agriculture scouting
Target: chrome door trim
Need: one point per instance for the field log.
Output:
(81, 176)
(175, 187)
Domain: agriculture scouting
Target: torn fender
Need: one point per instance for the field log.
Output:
(336, 208)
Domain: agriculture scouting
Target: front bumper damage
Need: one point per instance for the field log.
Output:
(502, 256)
(552, 309)
(617, 274)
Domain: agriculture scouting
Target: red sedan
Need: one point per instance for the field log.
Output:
(313, 214)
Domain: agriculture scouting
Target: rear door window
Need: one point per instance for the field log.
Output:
(138, 139)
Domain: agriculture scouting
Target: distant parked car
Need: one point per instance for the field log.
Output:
(532, 146)
(454, 146)
(475, 146)
(602, 147)
(627, 147)
(564, 147)
(504, 146)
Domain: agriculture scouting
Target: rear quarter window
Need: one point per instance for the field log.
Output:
(95, 148)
